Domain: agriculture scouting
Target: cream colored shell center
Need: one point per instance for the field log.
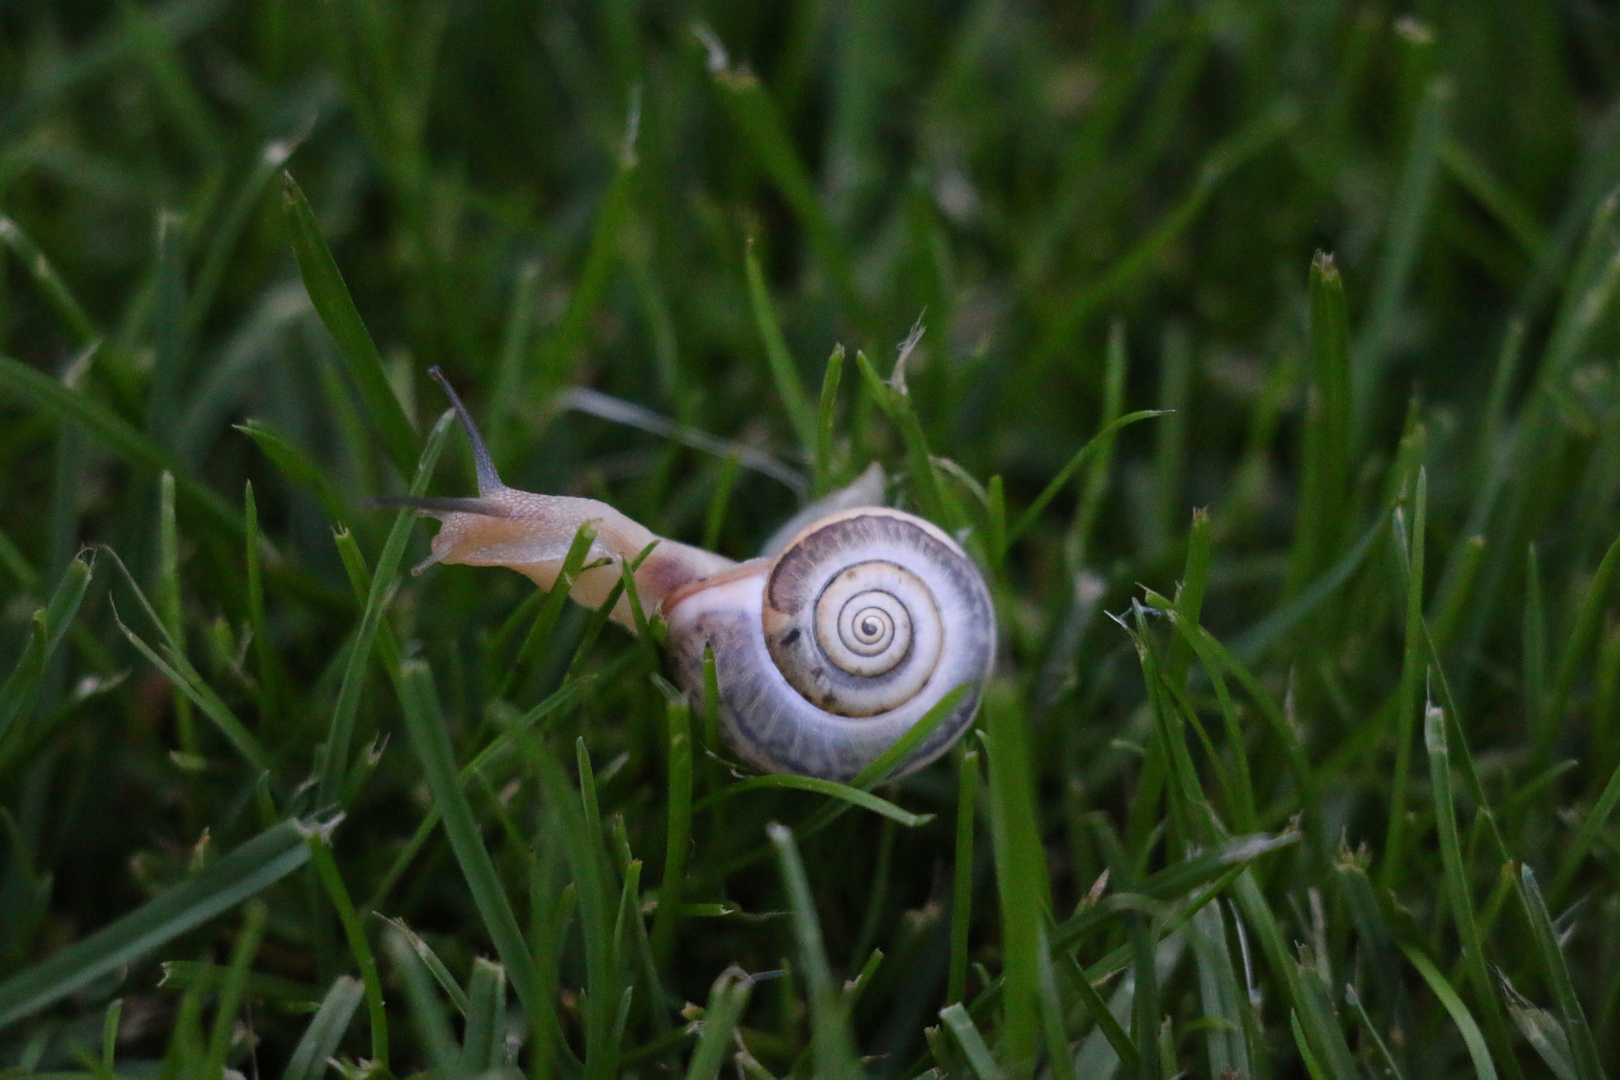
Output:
(874, 621)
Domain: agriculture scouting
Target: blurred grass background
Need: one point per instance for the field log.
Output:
(1334, 803)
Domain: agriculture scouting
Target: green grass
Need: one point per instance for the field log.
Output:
(1264, 354)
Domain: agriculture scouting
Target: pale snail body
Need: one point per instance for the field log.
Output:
(825, 654)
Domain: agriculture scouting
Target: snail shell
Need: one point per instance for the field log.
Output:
(825, 653)
(828, 653)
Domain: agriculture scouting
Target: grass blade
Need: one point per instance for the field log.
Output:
(1484, 1068)
(115, 433)
(1458, 892)
(482, 1044)
(424, 723)
(250, 869)
(340, 731)
(1021, 878)
(727, 1000)
(784, 370)
(979, 1059)
(320, 1039)
(326, 867)
(335, 306)
(832, 1041)
(1544, 938)
(1097, 444)
(1413, 665)
(962, 896)
(49, 624)
(830, 788)
(678, 835)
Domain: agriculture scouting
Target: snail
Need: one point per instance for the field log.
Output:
(825, 652)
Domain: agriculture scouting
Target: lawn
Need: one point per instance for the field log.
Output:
(1263, 356)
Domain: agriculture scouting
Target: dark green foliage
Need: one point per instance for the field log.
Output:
(1284, 335)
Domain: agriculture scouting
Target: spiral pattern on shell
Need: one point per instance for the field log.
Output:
(828, 654)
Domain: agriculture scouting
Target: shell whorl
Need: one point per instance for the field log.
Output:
(829, 653)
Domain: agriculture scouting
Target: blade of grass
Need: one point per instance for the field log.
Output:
(1413, 665)
(233, 986)
(49, 282)
(896, 403)
(115, 433)
(830, 788)
(827, 424)
(167, 590)
(1581, 635)
(482, 1041)
(296, 466)
(340, 729)
(1059, 1057)
(326, 867)
(967, 792)
(430, 742)
(1555, 970)
(784, 370)
(1541, 1029)
(1021, 877)
(832, 1041)
(427, 1012)
(1097, 444)
(1473, 1039)
(251, 868)
(1099, 470)
(1458, 891)
(178, 670)
(334, 305)
(979, 1059)
(728, 997)
(325, 1031)
(50, 623)
(1325, 488)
